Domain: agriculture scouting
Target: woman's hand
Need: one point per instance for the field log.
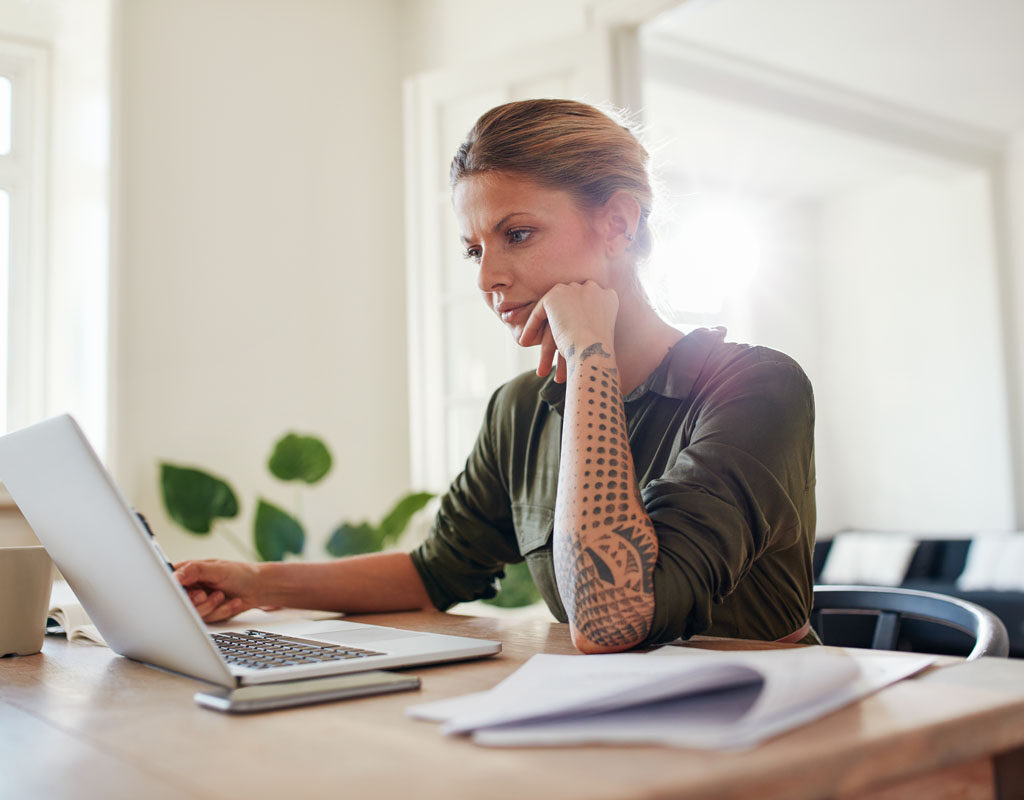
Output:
(219, 589)
(570, 315)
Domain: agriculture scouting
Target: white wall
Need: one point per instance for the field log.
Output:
(912, 417)
(260, 283)
(887, 296)
(1011, 236)
(886, 291)
(439, 33)
(33, 21)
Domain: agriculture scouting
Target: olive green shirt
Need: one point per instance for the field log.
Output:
(722, 436)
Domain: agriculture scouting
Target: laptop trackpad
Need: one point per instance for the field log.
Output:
(361, 637)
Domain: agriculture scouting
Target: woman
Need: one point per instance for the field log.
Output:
(658, 485)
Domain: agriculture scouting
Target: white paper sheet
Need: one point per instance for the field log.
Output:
(258, 618)
(674, 696)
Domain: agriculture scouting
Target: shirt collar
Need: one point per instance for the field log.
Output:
(674, 377)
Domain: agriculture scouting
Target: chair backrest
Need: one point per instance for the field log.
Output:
(891, 606)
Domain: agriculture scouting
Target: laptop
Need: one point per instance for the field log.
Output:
(115, 567)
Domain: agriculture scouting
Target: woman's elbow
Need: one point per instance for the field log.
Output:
(608, 644)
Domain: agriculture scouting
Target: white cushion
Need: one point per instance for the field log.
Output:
(994, 561)
(872, 558)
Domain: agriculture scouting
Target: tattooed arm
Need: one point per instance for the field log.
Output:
(604, 543)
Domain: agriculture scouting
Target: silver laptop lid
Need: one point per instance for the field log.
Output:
(104, 552)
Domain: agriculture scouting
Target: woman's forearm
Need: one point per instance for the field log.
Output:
(373, 582)
(604, 543)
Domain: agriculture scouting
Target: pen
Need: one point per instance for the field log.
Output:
(152, 537)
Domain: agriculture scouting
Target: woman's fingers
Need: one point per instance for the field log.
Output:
(547, 353)
(203, 573)
(561, 370)
(225, 610)
(536, 325)
(206, 607)
(217, 608)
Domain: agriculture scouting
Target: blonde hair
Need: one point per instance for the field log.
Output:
(562, 144)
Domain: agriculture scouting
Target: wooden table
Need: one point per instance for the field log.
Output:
(78, 721)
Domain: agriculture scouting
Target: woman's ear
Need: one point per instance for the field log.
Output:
(619, 219)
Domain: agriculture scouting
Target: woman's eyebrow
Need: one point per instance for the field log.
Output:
(497, 225)
(501, 222)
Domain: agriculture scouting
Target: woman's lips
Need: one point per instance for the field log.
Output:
(511, 311)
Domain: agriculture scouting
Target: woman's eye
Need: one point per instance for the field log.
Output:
(472, 254)
(518, 235)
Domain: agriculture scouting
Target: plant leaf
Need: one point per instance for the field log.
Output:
(517, 588)
(351, 540)
(194, 499)
(397, 519)
(276, 532)
(299, 458)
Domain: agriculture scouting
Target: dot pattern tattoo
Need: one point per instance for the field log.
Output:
(605, 546)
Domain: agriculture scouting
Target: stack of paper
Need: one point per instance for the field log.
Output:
(674, 696)
(67, 616)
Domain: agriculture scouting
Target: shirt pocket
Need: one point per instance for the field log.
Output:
(534, 525)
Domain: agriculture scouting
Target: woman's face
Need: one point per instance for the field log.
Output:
(525, 239)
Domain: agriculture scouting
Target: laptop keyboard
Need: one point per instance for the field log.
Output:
(262, 650)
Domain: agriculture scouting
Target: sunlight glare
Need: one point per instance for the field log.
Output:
(710, 257)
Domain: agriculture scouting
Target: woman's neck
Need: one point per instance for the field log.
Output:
(642, 339)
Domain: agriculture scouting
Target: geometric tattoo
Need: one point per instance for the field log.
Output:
(605, 545)
(595, 349)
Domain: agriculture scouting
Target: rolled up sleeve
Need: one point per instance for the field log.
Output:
(737, 491)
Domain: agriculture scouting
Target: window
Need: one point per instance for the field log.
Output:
(23, 104)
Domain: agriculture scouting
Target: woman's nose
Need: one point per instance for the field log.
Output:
(492, 275)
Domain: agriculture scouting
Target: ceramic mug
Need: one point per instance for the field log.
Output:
(26, 576)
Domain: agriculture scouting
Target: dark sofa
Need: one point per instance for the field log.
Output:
(935, 567)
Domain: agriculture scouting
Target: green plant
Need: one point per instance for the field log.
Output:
(199, 502)
(517, 588)
(196, 500)
(352, 539)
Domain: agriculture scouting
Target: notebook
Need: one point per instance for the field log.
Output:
(115, 568)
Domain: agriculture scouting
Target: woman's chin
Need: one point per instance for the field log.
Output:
(516, 331)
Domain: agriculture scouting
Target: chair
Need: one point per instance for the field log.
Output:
(906, 619)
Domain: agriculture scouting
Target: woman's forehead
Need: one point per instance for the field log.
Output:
(486, 198)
